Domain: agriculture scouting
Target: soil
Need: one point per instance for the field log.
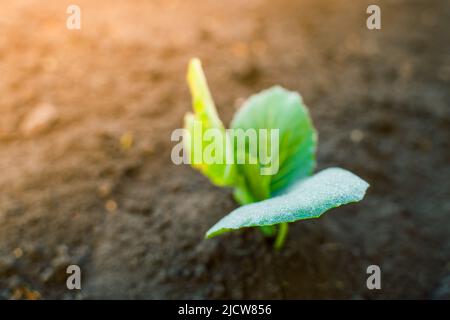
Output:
(89, 180)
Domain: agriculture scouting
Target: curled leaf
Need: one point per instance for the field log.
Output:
(205, 117)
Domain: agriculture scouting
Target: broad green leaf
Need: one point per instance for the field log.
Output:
(308, 198)
(221, 172)
(277, 108)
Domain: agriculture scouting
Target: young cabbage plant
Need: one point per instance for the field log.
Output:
(269, 201)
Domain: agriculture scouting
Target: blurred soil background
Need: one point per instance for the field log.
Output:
(85, 170)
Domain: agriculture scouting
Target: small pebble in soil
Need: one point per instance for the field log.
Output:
(356, 136)
(126, 141)
(18, 253)
(39, 119)
(104, 189)
(111, 206)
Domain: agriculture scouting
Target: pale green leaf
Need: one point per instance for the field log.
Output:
(308, 198)
(205, 117)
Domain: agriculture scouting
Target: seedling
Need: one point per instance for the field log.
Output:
(269, 201)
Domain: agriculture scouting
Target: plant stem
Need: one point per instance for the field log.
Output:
(268, 231)
(281, 236)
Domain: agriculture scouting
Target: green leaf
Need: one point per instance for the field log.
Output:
(222, 172)
(308, 198)
(202, 101)
(278, 108)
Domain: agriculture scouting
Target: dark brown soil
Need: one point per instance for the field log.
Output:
(81, 193)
